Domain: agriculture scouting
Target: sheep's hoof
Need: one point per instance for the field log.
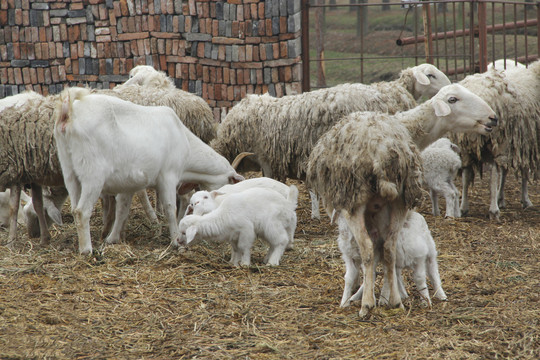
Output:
(495, 215)
(364, 311)
(527, 204)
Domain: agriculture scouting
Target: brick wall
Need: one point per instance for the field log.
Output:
(220, 50)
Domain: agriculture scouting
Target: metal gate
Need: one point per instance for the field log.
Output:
(366, 41)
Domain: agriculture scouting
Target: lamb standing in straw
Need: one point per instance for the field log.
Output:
(368, 168)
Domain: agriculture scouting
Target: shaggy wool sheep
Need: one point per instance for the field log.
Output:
(368, 168)
(28, 155)
(441, 163)
(282, 131)
(415, 250)
(242, 217)
(503, 64)
(515, 96)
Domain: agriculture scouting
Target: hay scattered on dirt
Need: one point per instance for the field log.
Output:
(139, 300)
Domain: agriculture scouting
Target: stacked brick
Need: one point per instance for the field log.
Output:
(220, 50)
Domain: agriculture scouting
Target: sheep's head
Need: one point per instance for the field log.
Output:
(463, 111)
(428, 80)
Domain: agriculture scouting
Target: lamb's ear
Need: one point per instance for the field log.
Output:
(55, 215)
(441, 108)
(421, 77)
(189, 210)
(190, 233)
(215, 193)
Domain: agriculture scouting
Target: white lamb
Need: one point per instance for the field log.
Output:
(5, 211)
(151, 148)
(240, 218)
(441, 163)
(415, 250)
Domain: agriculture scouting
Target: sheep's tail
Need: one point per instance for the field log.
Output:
(239, 158)
(67, 98)
(293, 195)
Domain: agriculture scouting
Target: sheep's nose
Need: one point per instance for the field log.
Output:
(494, 120)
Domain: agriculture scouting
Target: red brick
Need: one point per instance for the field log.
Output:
(221, 52)
(261, 10)
(215, 27)
(33, 76)
(41, 75)
(287, 74)
(242, 53)
(255, 11)
(249, 52)
(275, 51)
(262, 52)
(283, 50)
(240, 77)
(235, 26)
(206, 74)
(227, 75)
(124, 11)
(187, 24)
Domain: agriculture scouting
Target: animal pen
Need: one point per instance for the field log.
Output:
(459, 37)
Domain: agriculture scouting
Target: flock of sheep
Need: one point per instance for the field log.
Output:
(363, 149)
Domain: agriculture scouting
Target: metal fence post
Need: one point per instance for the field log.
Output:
(482, 36)
(305, 46)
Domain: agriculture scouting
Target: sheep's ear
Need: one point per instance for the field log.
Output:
(55, 215)
(441, 108)
(235, 179)
(421, 78)
(190, 233)
(189, 210)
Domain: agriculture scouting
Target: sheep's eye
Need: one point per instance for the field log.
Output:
(431, 76)
(452, 100)
(206, 197)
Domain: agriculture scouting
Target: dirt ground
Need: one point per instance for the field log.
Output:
(140, 299)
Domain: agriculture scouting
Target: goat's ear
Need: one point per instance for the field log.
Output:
(421, 77)
(441, 108)
(55, 215)
(215, 193)
(189, 210)
(190, 233)
(235, 179)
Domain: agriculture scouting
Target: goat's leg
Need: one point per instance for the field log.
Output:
(108, 206)
(467, 177)
(449, 193)
(419, 278)
(167, 195)
(37, 202)
(245, 242)
(123, 203)
(142, 195)
(278, 238)
(357, 225)
(82, 212)
(494, 212)
(525, 201)
(14, 203)
(457, 210)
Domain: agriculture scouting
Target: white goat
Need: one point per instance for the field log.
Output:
(116, 147)
(415, 250)
(240, 218)
(441, 162)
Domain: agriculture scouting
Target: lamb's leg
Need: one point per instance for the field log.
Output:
(449, 194)
(360, 292)
(467, 176)
(351, 280)
(433, 276)
(494, 212)
(315, 212)
(357, 225)
(123, 203)
(419, 278)
(434, 202)
(235, 254)
(37, 202)
(81, 214)
(457, 210)
(525, 201)
(401, 286)
(245, 242)
(14, 203)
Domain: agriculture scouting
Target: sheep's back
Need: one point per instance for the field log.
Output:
(361, 156)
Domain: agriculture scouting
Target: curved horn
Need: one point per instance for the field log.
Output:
(239, 158)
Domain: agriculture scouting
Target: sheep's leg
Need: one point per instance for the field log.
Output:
(360, 292)
(449, 194)
(467, 176)
(500, 191)
(14, 203)
(401, 285)
(37, 202)
(357, 225)
(123, 203)
(245, 242)
(525, 201)
(434, 202)
(434, 277)
(315, 212)
(397, 217)
(81, 214)
(182, 202)
(167, 196)
(494, 212)
(457, 210)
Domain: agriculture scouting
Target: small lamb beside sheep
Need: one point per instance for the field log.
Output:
(239, 218)
(415, 250)
(441, 163)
